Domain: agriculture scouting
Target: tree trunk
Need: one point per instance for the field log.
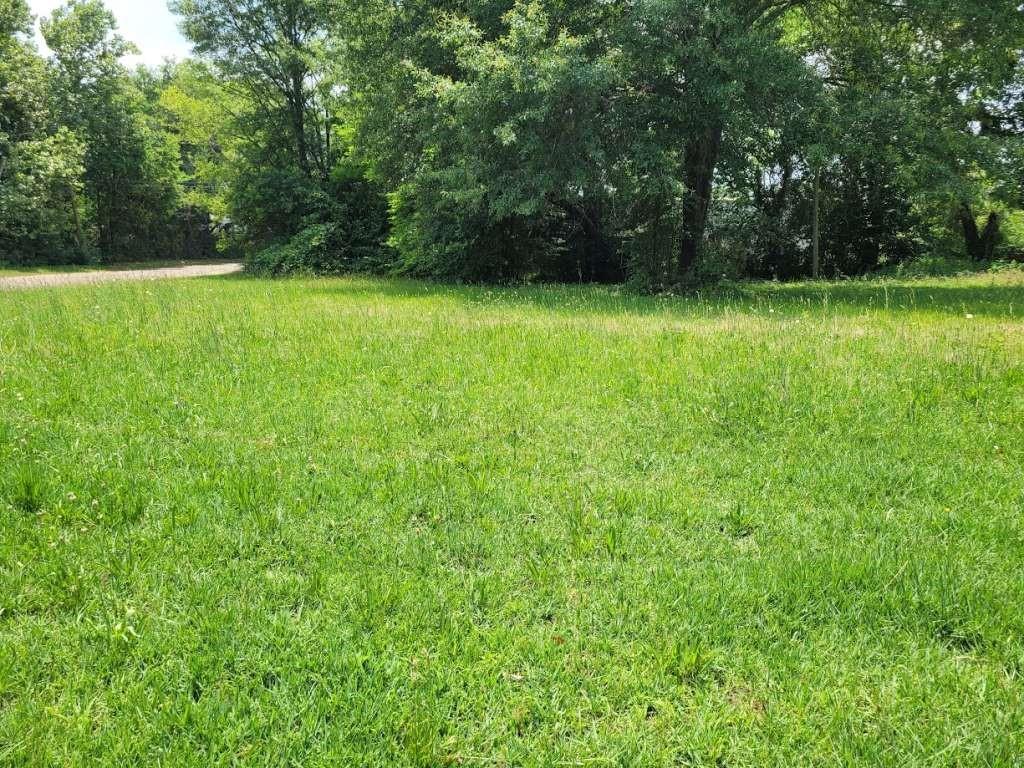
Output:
(73, 200)
(980, 245)
(700, 160)
(327, 137)
(816, 255)
(990, 236)
(297, 105)
(600, 263)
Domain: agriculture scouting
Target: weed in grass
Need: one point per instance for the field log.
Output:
(29, 491)
(691, 664)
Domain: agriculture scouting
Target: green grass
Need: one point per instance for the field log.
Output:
(354, 522)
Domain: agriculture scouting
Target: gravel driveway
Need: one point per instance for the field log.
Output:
(84, 278)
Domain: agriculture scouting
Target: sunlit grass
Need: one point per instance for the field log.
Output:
(359, 522)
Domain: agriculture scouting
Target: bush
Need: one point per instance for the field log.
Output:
(1012, 246)
(40, 198)
(347, 234)
(303, 254)
(271, 205)
(191, 235)
(445, 237)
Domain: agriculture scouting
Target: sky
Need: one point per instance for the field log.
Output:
(147, 23)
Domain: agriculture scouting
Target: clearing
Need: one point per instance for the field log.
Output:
(382, 523)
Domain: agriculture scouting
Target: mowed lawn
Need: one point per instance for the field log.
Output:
(377, 523)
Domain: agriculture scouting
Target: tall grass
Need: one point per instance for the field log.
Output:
(356, 522)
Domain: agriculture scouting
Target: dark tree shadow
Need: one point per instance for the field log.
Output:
(983, 296)
(994, 298)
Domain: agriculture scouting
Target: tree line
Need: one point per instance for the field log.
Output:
(661, 142)
(88, 170)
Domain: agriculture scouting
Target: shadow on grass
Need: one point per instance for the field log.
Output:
(987, 296)
(994, 296)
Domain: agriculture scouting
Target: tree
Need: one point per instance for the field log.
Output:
(39, 193)
(917, 88)
(293, 189)
(40, 170)
(273, 53)
(195, 108)
(22, 74)
(535, 117)
(499, 173)
(131, 169)
(672, 103)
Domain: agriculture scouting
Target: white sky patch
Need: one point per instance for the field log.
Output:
(147, 23)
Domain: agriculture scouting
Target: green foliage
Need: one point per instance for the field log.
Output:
(269, 133)
(667, 142)
(499, 176)
(285, 218)
(273, 52)
(1012, 246)
(131, 169)
(40, 169)
(23, 81)
(517, 135)
(96, 163)
(908, 157)
(271, 203)
(196, 109)
(346, 231)
(39, 194)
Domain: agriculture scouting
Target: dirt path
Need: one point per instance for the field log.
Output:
(84, 278)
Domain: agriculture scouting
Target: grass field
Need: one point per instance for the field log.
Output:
(362, 523)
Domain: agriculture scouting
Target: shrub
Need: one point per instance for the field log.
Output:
(1012, 246)
(347, 234)
(271, 205)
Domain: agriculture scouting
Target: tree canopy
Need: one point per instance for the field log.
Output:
(658, 141)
